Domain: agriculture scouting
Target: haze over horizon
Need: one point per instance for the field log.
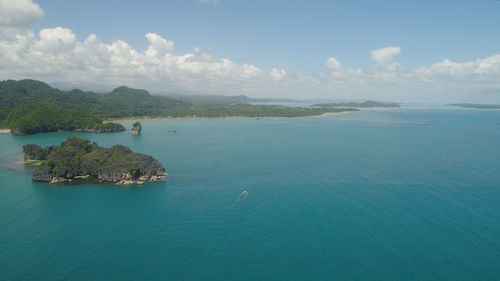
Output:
(407, 52)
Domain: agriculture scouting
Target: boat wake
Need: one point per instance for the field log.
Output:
(241, 197)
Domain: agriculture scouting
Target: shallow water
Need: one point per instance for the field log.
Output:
(400, 194)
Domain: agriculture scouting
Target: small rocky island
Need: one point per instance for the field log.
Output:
(76, 159)
(136, 128)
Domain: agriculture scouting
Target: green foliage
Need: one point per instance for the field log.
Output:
(132, 170)
(37, 118)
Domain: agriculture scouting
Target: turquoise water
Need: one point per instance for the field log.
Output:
(374, 195)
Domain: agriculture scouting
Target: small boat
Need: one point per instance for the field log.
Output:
(172, 131)
(244, 192)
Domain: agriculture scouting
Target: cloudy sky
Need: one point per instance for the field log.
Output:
(407, 51)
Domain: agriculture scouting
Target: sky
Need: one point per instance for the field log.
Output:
(406, 51)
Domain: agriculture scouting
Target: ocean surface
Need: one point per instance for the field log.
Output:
(400, 194)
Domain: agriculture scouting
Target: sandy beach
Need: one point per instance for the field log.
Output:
(4, 131)
(132, 119)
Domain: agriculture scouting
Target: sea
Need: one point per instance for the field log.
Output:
(396, 194)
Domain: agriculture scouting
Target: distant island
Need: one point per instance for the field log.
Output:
(477, 105)
(368, 103)
(77, 159)
(30, 107)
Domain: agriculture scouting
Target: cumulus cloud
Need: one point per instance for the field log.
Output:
(57, 55)
(479, 73)
(385, 55)
(333, 64)
(278, 74)
(442, 78)
(337, 73)
(17, 16)
(55, 40)
(158, 47)
(19, 13)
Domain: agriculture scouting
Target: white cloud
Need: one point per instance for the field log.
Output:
(55, 40)
(19, 13)
(443, 80)
(489, 66)
(278, 74)
(385, 55)
(337, 73)
(57, 55)
(213, 2)
(333, 64)
(17, 17)
(158, 46)
(478, 73)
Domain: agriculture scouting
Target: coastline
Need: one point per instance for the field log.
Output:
(4, 131)
(146, 118)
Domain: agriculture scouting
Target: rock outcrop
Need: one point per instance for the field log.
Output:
(136, 128)
(76, 158)
(111, 128)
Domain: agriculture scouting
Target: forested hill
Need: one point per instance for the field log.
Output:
(122, 101)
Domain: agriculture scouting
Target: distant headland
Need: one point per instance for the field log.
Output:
(77, 159)
(477, 105)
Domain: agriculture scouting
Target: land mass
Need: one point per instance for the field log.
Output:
(477, 105)
(77, 158)
(30, 106)
(368, 103)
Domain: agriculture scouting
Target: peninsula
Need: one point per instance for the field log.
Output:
(30, 106)
(77, 158)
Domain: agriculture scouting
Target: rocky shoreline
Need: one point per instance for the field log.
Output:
(125, 179)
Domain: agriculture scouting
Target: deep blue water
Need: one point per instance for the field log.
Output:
(373, 195)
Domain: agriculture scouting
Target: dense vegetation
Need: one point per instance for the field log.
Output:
(478, 106)
(76, 158)
(368, 103)
(80, 109)
(38, 118)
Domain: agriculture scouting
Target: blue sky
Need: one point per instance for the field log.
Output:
(293, 34)
(318, 49)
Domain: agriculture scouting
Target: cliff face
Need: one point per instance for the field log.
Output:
(136, 128)
(76, 158)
